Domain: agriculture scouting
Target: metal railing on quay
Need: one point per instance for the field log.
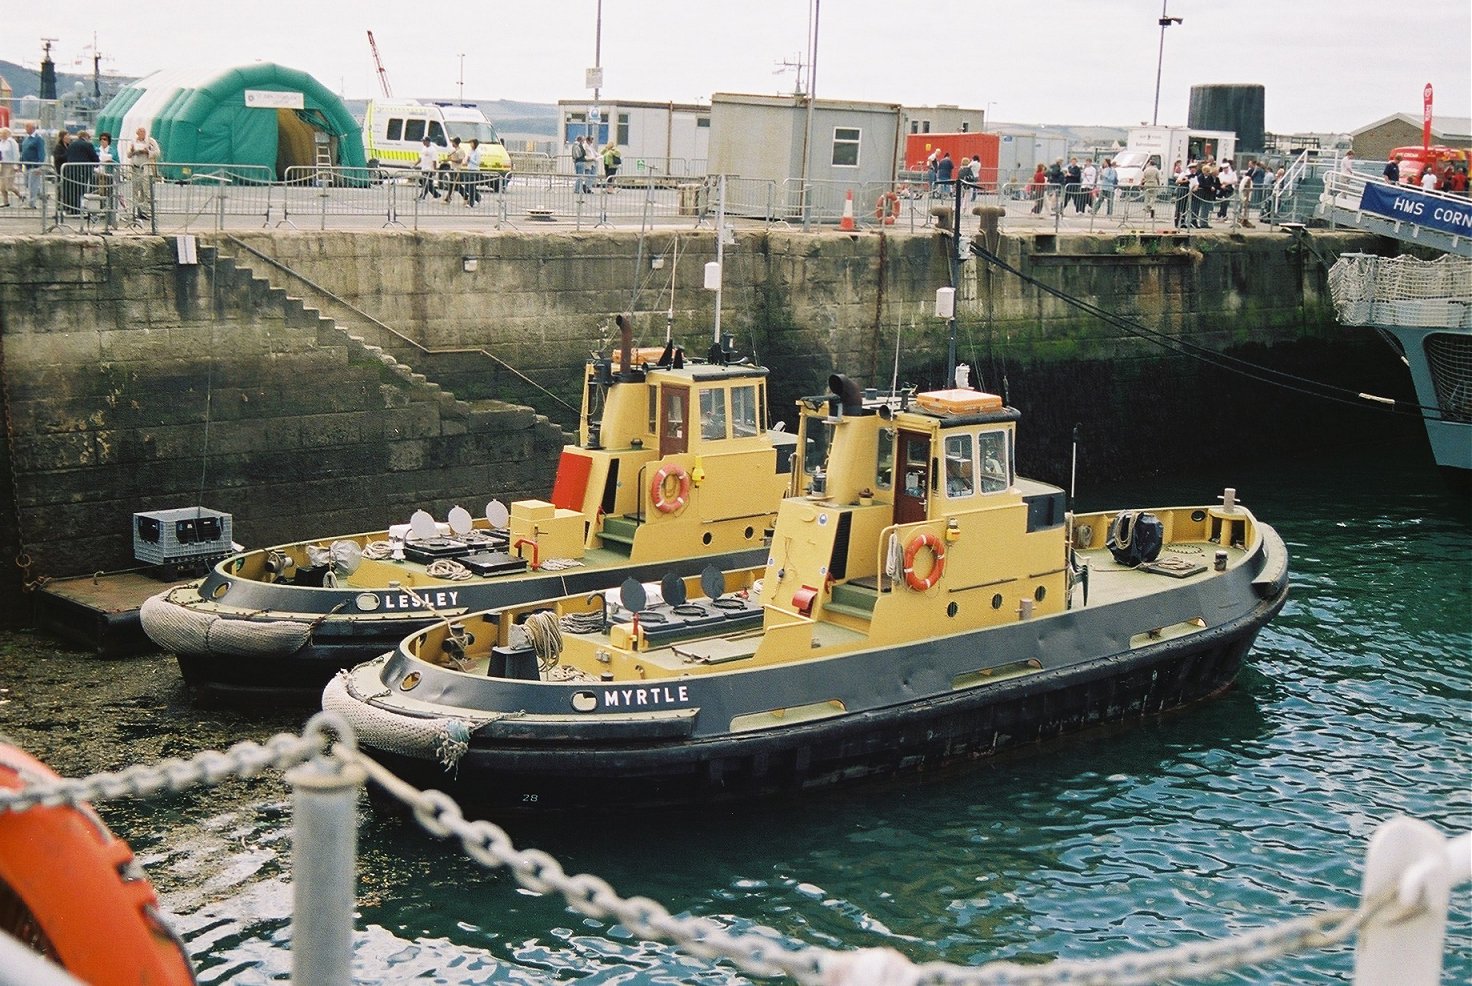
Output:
(213, 197)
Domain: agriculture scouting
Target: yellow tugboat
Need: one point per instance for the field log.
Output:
(920, 604)
(675, 467)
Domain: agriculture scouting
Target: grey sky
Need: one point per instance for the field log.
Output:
(1326, 66)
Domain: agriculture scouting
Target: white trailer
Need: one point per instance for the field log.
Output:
(1167, 145)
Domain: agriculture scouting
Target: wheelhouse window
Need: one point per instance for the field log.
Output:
(746, 411)
(713, 414)
(674, 414)
(846, 147)
(884, 467)
(817, 436)
(960, 466)
(994, 454)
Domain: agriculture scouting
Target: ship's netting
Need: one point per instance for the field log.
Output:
(1450, 357)
(1369, 290)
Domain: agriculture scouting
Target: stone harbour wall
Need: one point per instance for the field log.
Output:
(317, 383)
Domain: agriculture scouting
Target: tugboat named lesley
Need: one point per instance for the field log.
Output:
(680, 470)
(920, 604)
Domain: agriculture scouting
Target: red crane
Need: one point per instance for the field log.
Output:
(382, 72)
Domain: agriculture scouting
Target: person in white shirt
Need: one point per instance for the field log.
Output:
(142, 154)
(1227, 180)
(1428, 179)
(9, 167)
(428, 161)
(472, 168)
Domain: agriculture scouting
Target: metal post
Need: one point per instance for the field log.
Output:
(1411, 856)
(955, 281)
(1165, 22)
(720, 253)
(324, 861)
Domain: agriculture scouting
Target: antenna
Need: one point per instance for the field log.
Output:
(794, 67)
(382, 72)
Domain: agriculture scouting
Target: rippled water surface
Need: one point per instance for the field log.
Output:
(1243, 811)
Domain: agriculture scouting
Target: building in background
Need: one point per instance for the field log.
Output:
(832, 146)
(654, 138)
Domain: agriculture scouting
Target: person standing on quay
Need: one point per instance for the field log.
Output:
(77, 171)
(1150, 186)
(1108, 182)
(611, 160)
(428, 159)
(472, 165)
(32, 156)
(1037, 188)
(143, 155)
(9, 166)
(456, 166)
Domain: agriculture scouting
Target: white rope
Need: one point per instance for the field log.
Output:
(558, 564)
(544, 633)
(378, 550)
(448, 568)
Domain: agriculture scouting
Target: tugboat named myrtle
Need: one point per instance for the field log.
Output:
(920, 604)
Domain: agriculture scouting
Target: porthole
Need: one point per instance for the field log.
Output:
(952, 609)
(1040, 592)
(997, 601)
(218, 592)
(410, 680)
(584, 701)
(1198, 515)
(749, 532)
(705, 538)
(367, 601)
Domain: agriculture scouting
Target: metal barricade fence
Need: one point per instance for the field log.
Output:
(312, 194)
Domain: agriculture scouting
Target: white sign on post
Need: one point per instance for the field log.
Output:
(593, 78)
(273, 99)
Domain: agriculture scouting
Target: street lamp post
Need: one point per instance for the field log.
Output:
(1165, 22)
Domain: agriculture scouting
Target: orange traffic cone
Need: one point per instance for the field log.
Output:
(847, 222)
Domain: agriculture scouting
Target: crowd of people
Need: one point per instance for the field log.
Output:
(1435, 176)
(1194, 190)
(81, 168)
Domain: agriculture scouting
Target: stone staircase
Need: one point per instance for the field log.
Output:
(369, 340)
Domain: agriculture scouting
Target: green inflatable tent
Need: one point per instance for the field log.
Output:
(253, 121)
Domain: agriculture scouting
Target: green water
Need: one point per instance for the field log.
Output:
(1247, 810)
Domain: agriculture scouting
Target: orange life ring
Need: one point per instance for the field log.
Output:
(84, 904)
(887, 209)
(938, 548)
(662, 502)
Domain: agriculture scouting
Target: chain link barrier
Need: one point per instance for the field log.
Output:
(328, 740)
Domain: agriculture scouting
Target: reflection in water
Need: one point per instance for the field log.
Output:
(1242, 811)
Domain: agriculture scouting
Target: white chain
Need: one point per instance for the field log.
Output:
(488, 844)
(244, 759)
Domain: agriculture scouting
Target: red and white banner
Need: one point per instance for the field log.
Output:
(1426, 117)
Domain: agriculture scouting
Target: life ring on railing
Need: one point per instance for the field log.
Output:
(937, 548)
(663, 501)
(887, 209)
(83, 902)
